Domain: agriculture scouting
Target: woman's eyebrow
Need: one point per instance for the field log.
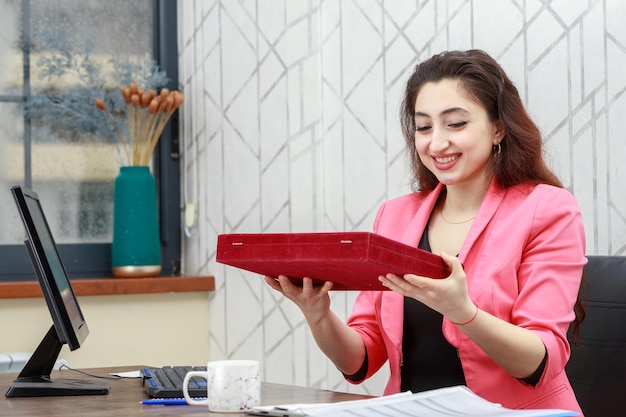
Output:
(443, 113)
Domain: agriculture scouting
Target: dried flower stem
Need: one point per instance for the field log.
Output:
(116, 129)
(147, 114)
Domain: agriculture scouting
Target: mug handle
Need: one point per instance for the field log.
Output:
(190, 400)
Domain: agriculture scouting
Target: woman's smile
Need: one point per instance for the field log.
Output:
(446, 162)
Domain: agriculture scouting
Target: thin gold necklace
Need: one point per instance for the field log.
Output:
(449, 222)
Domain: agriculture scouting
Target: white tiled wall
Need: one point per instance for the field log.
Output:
(291, 124)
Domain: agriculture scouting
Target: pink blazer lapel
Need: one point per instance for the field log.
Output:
(488, 208)
(413, 232)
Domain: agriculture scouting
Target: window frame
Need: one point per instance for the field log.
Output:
(93, 260)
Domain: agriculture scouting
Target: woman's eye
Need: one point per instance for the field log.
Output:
(421, 128)
(457, 125)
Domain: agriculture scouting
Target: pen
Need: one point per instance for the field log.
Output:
(165, 401)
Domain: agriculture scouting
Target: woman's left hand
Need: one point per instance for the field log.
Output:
(448, 296)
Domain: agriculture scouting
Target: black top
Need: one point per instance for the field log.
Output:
(428, 360)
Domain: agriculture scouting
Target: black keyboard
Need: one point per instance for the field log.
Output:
(167, 382)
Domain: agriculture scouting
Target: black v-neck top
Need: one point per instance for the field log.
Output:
(428, 360)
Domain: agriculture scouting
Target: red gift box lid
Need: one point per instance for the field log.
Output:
(352, 260)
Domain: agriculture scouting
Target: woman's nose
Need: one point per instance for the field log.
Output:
(438, 140)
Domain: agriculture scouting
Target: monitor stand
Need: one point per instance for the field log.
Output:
(35, 381)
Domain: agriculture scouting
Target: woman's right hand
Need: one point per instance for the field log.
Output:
(314, 301)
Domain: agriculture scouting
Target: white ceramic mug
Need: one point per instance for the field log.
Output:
(232, 386)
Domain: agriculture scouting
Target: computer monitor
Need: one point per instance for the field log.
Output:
(68, 327)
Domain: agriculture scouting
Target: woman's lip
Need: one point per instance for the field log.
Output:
(445, 162)
(445, 159)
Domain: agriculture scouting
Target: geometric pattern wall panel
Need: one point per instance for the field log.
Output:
(291, 124)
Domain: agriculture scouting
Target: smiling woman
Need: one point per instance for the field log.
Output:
(513, 240)
(73, 170)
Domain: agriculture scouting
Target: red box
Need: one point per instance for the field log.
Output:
(352, 260)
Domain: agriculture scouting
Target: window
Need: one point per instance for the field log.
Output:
(73, 172)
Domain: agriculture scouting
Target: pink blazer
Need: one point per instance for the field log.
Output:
(523, 257)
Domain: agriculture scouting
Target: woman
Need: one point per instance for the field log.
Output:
(511, 235)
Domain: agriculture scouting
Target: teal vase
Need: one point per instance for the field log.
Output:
(136, 247)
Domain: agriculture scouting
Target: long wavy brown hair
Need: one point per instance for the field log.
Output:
(521, 157)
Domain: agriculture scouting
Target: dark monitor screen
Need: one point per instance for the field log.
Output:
(66, 314)
(69, 325)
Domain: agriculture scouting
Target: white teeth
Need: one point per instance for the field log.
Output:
(446, 159)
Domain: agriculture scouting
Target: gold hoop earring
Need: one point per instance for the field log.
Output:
(497, 148)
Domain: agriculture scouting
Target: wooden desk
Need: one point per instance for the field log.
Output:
(125, 396)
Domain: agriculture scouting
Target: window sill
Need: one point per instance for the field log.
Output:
(111, 286)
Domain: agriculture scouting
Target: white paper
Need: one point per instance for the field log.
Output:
(309, 409)
(456, 401)
(130, 374)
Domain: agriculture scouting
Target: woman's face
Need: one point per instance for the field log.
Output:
(453, 134)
